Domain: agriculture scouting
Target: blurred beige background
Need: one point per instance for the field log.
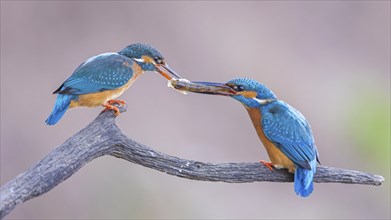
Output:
(329, 59)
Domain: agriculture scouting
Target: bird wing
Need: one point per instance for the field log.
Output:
(103, 72)
(290, 132)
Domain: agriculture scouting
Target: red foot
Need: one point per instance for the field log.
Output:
(108, 106)
(115, 101)
(267, 164)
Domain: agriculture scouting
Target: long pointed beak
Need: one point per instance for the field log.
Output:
(165, 70)
(210, 88)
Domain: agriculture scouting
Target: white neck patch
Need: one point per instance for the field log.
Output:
(141, 60)
(263, 101)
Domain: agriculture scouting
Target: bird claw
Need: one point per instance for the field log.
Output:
(108, 106)
(116, 101)
(267, 164)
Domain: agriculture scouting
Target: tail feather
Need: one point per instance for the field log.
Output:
(304, 180)
(59, 109)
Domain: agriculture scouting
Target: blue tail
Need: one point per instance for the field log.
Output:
(60, 107)
(304, 184)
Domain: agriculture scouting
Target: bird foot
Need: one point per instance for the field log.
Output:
(108, 106)
(267, 164)
(116, 101)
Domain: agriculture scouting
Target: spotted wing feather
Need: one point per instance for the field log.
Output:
(103, 72)
(290, 132)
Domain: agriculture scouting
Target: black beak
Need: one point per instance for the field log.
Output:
(210, 88)
(165, 71)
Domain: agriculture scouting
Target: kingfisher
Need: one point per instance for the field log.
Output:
(282, 129)
(101, 79)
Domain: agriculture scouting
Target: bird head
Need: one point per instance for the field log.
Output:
(149, 59)
(247, 91)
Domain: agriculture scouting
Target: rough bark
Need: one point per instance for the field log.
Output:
(103, 137)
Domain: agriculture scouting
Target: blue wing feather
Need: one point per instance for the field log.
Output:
(290, 132)
(106, 71)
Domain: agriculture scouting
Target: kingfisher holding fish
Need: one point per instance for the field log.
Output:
(283, 130)
(103, 78)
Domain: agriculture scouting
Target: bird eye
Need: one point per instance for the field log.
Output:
(238, 88)
(159, 60)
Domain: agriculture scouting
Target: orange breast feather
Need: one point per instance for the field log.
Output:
(99, 98)
(278, 159)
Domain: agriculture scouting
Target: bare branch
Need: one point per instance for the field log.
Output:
(103, 137)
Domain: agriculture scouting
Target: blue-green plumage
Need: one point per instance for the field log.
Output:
(105, 77)
(246, 84)
(60, 107)
(139, 50)
(283, 130)
(290, 132)
(103, 72)
(286, 128)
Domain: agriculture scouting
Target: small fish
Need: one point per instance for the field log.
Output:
(184, 86)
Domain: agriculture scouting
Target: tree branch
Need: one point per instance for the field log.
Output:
(103, 137)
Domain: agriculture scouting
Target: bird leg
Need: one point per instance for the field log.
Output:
(108, 106)
(267, 164)
(116, 101)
